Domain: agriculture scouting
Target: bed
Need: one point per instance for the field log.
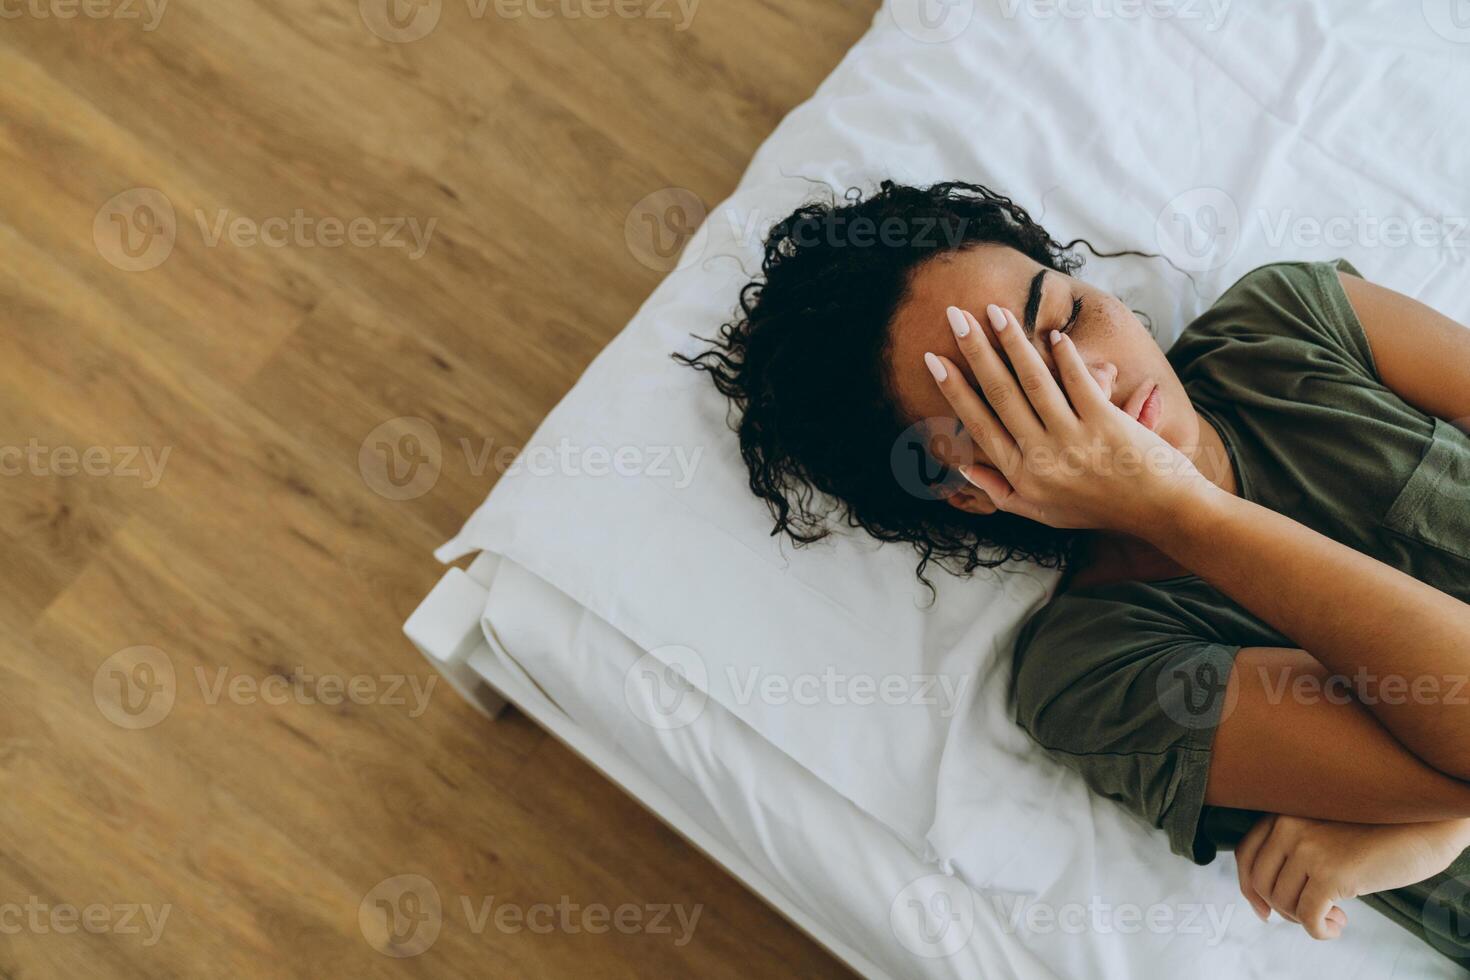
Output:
(811, 718)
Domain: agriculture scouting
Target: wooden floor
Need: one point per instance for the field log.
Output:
(263, 560)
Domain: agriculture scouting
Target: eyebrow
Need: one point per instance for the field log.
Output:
(1033, 303)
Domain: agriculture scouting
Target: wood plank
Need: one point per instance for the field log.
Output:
(262, 556)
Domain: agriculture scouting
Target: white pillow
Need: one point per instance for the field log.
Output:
(795, 642)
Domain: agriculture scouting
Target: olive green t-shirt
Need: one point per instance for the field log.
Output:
(1124, 681)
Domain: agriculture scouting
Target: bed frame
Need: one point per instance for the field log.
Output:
(446, 629)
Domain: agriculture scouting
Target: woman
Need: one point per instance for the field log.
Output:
(1262, 637)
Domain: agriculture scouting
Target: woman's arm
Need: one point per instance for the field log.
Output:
(1359, 617)
(1282, 751)
(1421, 355)
(1292, 740)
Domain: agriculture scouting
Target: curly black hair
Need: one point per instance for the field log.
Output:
(819, 443)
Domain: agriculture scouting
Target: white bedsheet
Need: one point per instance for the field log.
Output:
(851, 874)
(1281, 131)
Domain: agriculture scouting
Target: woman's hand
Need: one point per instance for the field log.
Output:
(1302, 868)
(1070, 459)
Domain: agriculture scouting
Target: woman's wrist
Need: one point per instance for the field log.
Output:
(1182, 513)
(1447, 839)
(1458, 832)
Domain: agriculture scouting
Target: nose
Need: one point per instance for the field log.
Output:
(1106, 374)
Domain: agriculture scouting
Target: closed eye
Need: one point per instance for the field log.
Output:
(1076, 312)
(1033, 306)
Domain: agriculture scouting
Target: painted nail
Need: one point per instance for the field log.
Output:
(997, 317)
(936, 367)
(1056, 336)
(957, 321)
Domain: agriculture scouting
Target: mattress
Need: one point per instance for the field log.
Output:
(798, 833)
(1221, 137)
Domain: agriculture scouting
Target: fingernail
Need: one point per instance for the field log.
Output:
(997, 317)
(966, 473)
(1056, 337)
(957, 322)
(936, 367)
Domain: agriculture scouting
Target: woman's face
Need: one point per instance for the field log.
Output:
(1122, 355)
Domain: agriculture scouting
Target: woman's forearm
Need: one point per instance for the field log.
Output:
(1403, 646)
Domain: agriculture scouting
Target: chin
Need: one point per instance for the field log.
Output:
(1177, 427)
(1166, 431)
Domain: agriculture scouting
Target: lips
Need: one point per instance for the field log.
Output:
(1151, 409)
